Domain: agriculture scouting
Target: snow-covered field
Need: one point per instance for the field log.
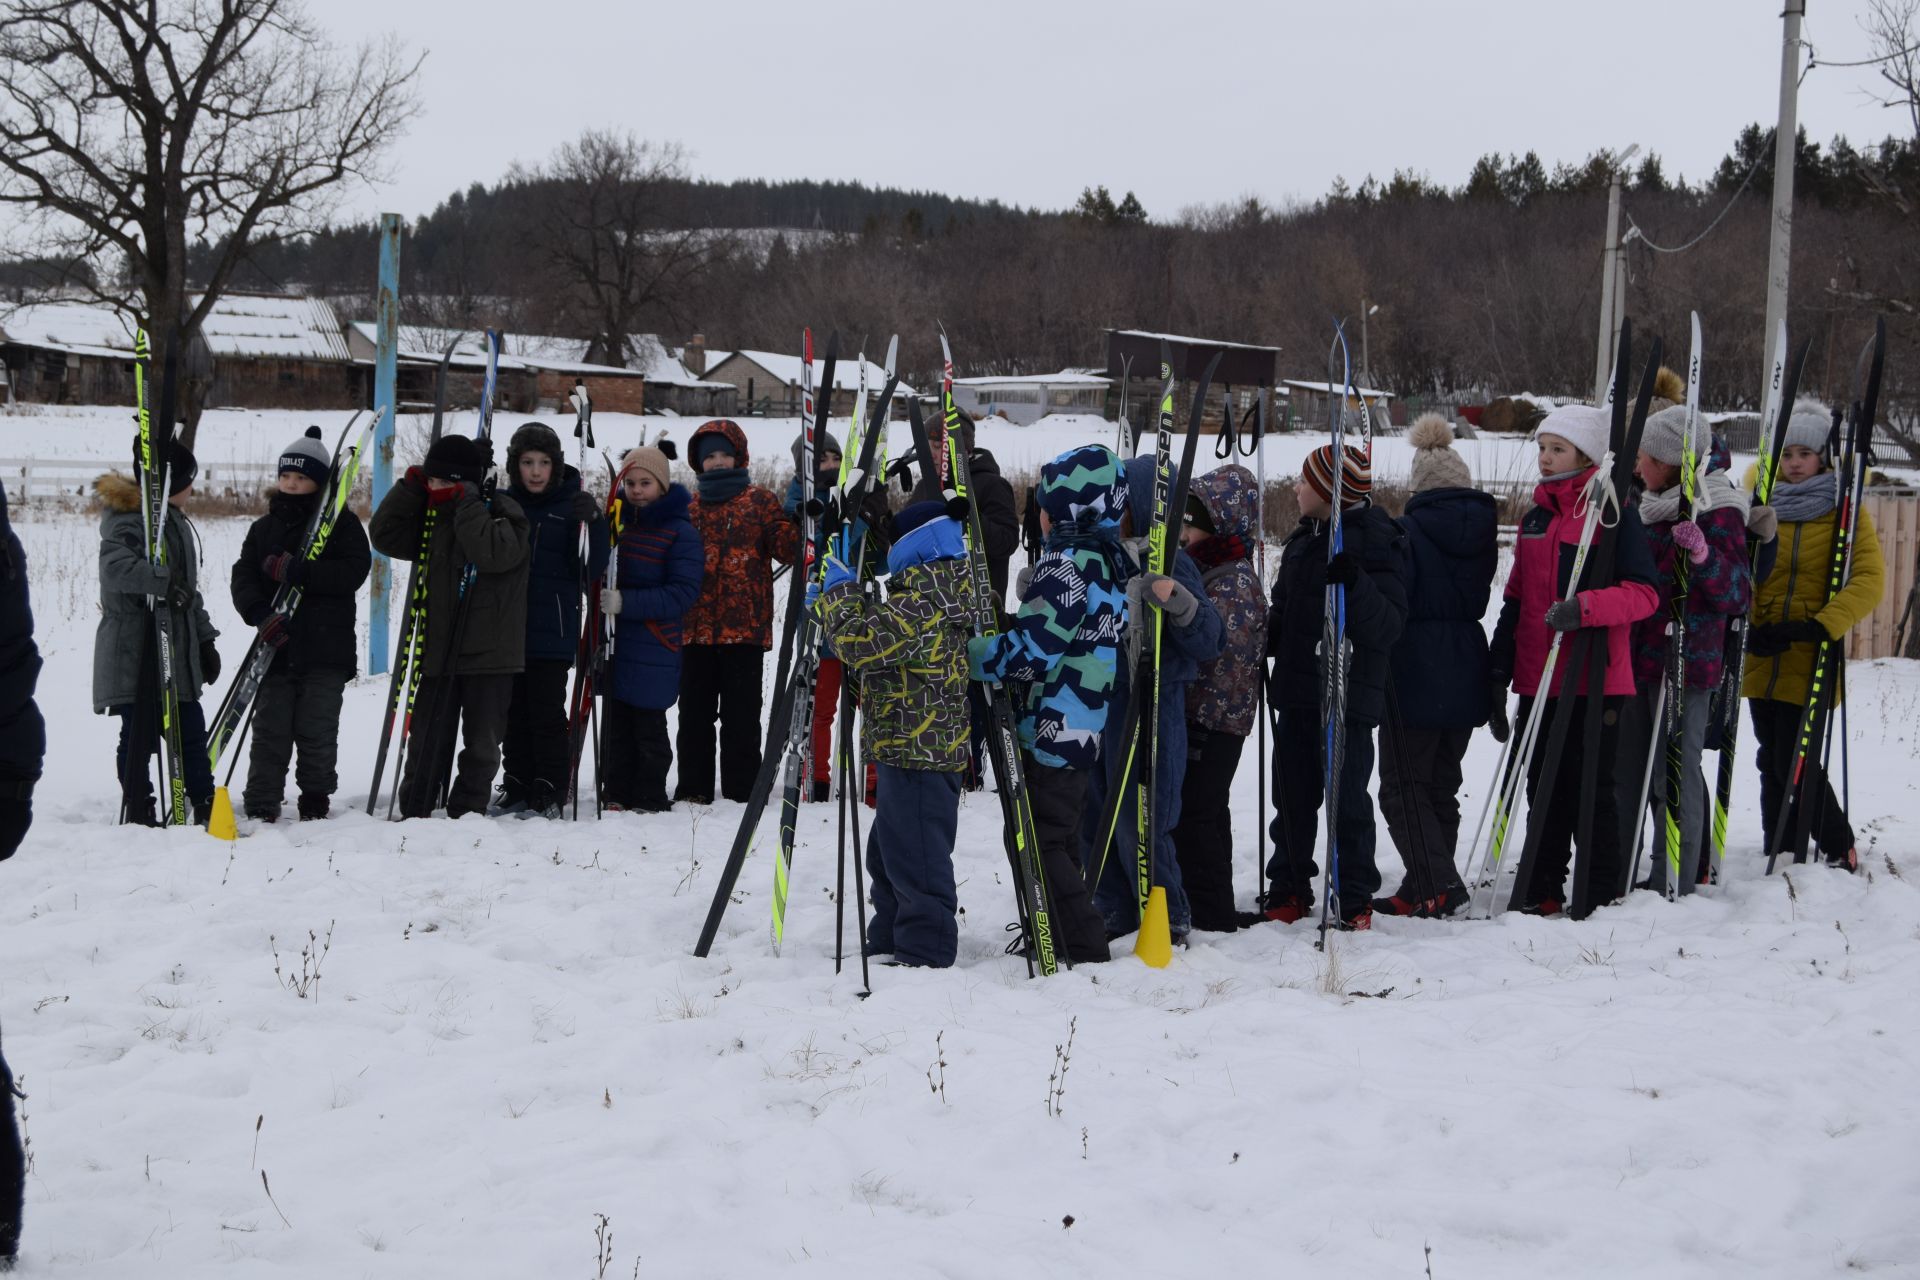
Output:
(509, 1036)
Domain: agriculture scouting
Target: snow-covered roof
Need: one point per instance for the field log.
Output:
(426, 344)
(1325, 388)
(282, 328)
(651, 358)
(239, 325)
(1191, 341)
(1065, 378)
(846, 372)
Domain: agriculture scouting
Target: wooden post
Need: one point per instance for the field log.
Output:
(386, 370)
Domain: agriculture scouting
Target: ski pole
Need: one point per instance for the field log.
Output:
(1646, 786)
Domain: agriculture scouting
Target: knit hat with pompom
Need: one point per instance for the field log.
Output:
(1435, 464)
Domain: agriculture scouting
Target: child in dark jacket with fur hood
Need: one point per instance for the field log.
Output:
(129, 579)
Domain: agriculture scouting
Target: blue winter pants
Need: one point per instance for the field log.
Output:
(910, 862)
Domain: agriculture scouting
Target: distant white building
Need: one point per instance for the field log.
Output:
(769, 381)
(1024, 399)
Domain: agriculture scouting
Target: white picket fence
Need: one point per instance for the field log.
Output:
(52, 479)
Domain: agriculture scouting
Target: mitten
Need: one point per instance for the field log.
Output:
(1687, 537)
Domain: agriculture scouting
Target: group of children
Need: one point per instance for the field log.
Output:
(687, 595)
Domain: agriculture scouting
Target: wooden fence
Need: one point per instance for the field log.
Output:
(58, 478)
(1896, 521)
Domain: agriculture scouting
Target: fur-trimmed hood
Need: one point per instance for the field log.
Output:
(117, 491)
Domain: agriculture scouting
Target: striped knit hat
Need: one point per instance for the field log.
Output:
(1356, 475)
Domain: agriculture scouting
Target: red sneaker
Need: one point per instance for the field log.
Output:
(1287, 909)
(1359, 922)
(1544, 907)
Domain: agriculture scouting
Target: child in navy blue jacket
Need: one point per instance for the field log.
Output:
(656, 578)
(535, 755)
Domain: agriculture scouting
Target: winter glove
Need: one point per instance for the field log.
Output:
(275, 566)
(1176, 602)
(1687, 537)
(1343, 570)
(1565, 615)
(836, 574)
(585, 508)
(1763, 522)
(16, 815)
(978, 650)
(1765, 641)
(209, 662)
(1805, 631)
(1497, 721)
(415, 479)
(274, 631)
(611, 601)
(1023, 580)
(812, 601)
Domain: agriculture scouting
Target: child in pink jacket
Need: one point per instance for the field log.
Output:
(1571, 440)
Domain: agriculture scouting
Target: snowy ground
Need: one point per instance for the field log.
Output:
(510, 1035)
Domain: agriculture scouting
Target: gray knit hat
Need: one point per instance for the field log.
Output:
(308, 455)
(1435, 464)
(828, 445)
(1663, 438)
(1811, 425)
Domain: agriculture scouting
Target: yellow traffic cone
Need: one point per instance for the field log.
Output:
(220, 821)
(1154, 946)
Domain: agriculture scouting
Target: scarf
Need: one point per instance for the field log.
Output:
(1216, 550)
(1809, 500)
(1715, 491)
(718, 486)
(1103, 541)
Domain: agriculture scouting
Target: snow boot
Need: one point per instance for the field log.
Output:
(313, 807)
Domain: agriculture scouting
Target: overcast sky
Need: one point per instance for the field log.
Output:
(1181, 101)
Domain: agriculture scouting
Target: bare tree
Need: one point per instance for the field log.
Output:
(128, 127)
(609, 227)
(1890, 27)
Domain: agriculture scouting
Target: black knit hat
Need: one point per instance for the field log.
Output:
(308, 456)
(179, 461)
(457, 458)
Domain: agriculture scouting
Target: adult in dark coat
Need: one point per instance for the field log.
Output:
(1371, 567)
(317, 647)
(1437, 694)
(536, 756)
(23, 747)
(473, 682)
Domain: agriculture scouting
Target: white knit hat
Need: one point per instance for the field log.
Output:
(1586, 427)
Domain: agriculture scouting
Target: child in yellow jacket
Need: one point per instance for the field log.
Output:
(1792, 615)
